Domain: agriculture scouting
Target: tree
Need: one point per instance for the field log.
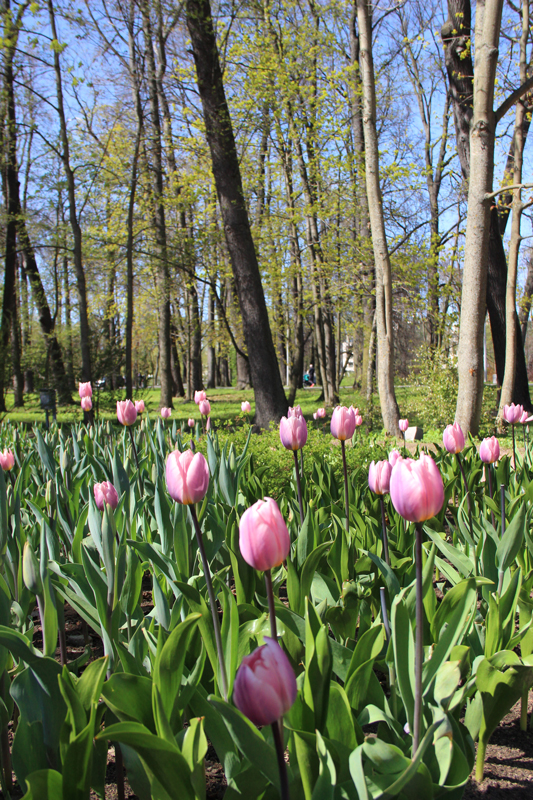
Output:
(270, 400)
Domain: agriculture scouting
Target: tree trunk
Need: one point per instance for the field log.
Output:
(73, 216)
(384, 330)
(526, 302)
(270, 400)
(158, 210)
(211, 352)
(474, 292)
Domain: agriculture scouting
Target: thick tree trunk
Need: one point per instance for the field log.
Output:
(270, 400)
(526, 303)
(473, 297)
(384, 330)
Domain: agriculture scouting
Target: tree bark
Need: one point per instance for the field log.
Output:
(270, 400)
(384, 331)
(474, 292)
(526, 302)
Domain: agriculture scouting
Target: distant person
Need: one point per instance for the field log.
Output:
(311, 375)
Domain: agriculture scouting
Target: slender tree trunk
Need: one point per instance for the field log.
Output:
(211, 352)
(526, 303)
(18, 379)
(384, 330)
(270, 400)
(73, 215)
(156, 168)
(473, 297)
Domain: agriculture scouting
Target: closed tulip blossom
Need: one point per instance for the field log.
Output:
(265, 684)
(358, 420)
(204, 407)
(166, 412)
(512, 413)
(343, 423)
(190, 422)
(7, 460)
(489, 450)
(394, 455)
(86, 403)
(403, 424)
(524, 418)
(105, 493)
(295, 411)
(139, 406)
(85, 389)
(199, 396)
(246, 407)
(453, 438)
(379, 477)
(416, 488)
(264, 540)
(315, 415)
(321, 413)
(187, 476)
(293, 432)
(126, 412)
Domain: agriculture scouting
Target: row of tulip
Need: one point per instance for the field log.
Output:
(360, 601)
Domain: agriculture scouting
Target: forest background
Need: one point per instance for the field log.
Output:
(225, 193)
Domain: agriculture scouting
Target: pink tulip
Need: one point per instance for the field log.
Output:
(524, 418)
(453, 438)
(293, 432)
(190, 422)
(321, 413)
(199, 396)
(394, 455)
(343, 423)
(265, 684)
(294, 412)
(263, 536)
(187, 477)
(126, 412)
(166, 412)
(85, 389)
(315, 415)
(105, 493)
(7, 460)
(86, 403)
(204, 407)
(379, 477)
(512, 413)
(139, 406)
(246, 407)
(416, 488)
(403, 424)
(489, 450)
(358, 420)
(208, 424)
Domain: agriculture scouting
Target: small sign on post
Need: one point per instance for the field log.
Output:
(48, 403)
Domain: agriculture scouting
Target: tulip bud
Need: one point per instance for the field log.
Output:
(321, 413)
(154, 474)
(190, 422)
(293, 432)
(204, 407)
(139, 406)
(379, 477)
(126, 412)
(416, 488)
(105, 493)
(166, 412)
(187, 476)
(246, 407)
(65, 461)
(85, 390)
(343, 423)
(86, 403)
(403, 425)
(489, 450)
(524, 417)
(265, 684)
(263, 536)
(358, 420)
(50, 495)
(394, 455)
(7, 460)
(199, 396)
(31, 574)
(453, 438)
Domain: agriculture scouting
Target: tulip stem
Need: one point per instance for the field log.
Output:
(419, 652)
(490, 494)
(134, 449)
(271, 608)
(468, 498)
(404, 450)
(514, 451)
(299, 485)
(384, 531)
(212, 602)
(277, 728)
(346, 500)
